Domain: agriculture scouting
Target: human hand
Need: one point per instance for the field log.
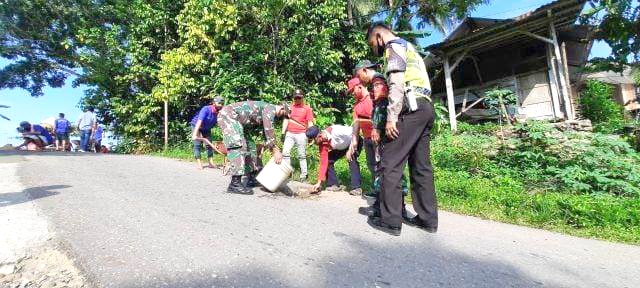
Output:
(375, 136)
(316, 187)
(391, 129)
(194, 136)
(277, 156)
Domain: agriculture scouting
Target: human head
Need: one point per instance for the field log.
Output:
(89, 108)
(25, 125)
(61, 115)
(357, 89)
(298, 96)
(314, 134)
(377, 37)
(218, 102)
(365, 70)
(380, 87)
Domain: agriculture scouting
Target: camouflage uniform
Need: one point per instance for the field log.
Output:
(237, 120)
(379, 119)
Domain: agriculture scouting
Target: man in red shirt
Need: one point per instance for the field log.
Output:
(294, 128)
(362, 112)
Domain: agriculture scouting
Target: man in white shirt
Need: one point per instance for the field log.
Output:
(333, 144)
(87, 125)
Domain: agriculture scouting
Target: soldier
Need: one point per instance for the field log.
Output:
(236, 120)
(410, 117)
(380, 101)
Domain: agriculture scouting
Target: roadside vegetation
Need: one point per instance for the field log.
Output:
(579, 183)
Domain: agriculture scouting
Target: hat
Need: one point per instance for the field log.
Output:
(297, 93)
(312, 132)
(379, 76)
(364, 64)
(218, 99)
(355, 81)
(26, 125)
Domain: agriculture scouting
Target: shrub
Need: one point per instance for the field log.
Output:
(597, 104)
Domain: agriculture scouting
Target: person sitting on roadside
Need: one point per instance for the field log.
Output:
(35, 137)
(201, 125)
(333, 144)
(62, 128)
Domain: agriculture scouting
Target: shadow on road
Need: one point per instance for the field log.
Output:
(14, 198)
(368, 264)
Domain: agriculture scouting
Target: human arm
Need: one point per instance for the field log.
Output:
(396, 68)
(196, 130)
(354, 138)
(268, 114)
(285, 124)
(324, 164)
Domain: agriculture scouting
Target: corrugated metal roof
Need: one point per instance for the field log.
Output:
(562, 12)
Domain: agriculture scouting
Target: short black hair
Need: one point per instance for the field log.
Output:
(61, 115)
(375, 26)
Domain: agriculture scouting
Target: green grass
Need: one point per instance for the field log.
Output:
(470, 180)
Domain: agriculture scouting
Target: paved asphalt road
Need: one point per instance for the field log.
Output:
(137, 221)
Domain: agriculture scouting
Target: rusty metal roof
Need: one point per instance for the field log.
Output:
(562, 12)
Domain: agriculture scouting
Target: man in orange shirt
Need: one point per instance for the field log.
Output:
(362, 112)
(294, 128)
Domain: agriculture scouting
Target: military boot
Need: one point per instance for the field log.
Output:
(236, 186)
(252, 182)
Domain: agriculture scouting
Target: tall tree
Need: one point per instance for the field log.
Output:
(618, 24)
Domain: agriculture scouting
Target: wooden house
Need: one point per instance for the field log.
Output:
(537, 55)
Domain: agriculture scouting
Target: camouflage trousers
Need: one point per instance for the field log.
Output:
(241, 149)
(377, 178)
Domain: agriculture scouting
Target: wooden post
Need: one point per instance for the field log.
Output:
(563, 83)
(567, 77)
(450, 96)
(166, 124)
(553, 83)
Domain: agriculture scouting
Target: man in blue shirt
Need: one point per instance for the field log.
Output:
(201, 124)
(34, 134)
(62, 127)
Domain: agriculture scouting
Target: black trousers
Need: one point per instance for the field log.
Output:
(354, 167)
(412, 145)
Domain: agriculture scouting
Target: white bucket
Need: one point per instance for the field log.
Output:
(272, 175)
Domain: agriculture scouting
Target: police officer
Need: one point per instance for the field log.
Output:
(236, 120)
(410, 117)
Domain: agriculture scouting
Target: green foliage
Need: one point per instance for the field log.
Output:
(618, 24)
(597, 104)
(582, 183)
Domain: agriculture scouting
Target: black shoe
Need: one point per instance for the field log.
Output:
(236, 186)
(252, 182)
(416, 222)
(369, 211)
(377, 224)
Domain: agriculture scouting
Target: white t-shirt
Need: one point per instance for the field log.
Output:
(339, 136)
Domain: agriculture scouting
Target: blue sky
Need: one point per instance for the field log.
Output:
(66, 99)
